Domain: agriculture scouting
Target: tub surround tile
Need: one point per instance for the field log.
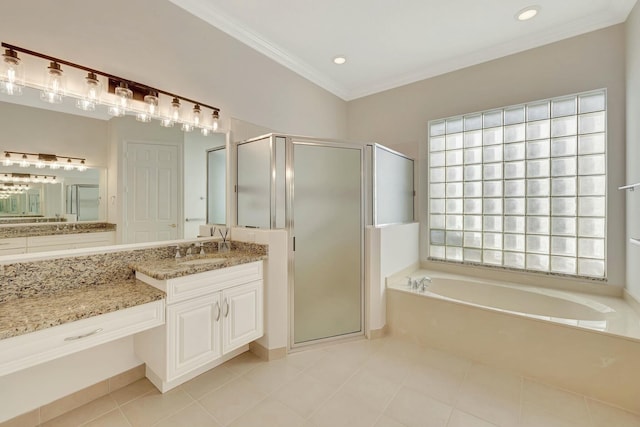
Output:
(53, 229)
(24, 315)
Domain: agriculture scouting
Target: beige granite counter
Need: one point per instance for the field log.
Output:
(53, 229)
(177, 267)
(24, 315)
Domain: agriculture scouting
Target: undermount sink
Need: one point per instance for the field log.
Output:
(202, 261)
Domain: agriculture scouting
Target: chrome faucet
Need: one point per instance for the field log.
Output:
(423, 286)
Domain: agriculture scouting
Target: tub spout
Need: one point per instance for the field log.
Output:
(423, 282)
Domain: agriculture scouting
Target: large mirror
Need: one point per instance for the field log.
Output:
(102, 193)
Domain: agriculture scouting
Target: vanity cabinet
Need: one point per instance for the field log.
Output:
(13, 246)
(210, 318)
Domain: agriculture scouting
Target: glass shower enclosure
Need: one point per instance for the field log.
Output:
(323, 193)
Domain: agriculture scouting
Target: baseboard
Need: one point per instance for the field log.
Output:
(374, 334)
(75, 400)
(632, 300)
(267, 354)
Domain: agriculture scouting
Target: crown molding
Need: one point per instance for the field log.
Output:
(235, 29)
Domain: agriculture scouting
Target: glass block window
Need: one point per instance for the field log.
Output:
(522, 187)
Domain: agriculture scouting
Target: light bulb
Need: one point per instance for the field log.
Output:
(54, 90)
(11, 73)
(7, 159)
(92, 91)
(24, 163)
(215, 117)
(82, 167)
(68, 166)
(151, 108)
(195, 118)
(123, 96)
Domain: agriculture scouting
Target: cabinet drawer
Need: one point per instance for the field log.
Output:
(195, 285)
(27, 350)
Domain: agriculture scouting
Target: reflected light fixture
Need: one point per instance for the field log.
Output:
(54, 89)
(215, 117)
(41, 160)
(527, 13)
(92, 91)
(11, 73)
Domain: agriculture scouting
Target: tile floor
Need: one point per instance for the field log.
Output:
(382, 383)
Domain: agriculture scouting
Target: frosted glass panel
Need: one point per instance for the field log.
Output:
(328, 241)
(217, 186)
(254, 184)
(281, 182)
(394, 187)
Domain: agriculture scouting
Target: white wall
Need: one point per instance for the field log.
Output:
(633, 149)
(389, 249)
(157, 43)
(398, 118)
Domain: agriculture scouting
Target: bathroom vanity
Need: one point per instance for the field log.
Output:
(214, 309)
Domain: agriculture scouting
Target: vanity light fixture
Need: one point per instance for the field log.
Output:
(527, 13)
(122, 96)
(28, 178)
(11, 73)
(41, 160)
(54, 89)
(92, 91)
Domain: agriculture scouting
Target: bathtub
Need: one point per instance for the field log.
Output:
(594, 312)
(589, 344)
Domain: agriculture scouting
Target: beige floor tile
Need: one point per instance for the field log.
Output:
(304, 394)
(548, 406)
(305, 358)
(133, 391)
(354, 351)
(608, 416)
(446, 362)
(271, 376)
(462, 419)
(154, 406)
(332, 370)
(392, 368)
(386, 421)
(269, 413)
(85, 413)
(371, 388)
(73, 401)
(440, 384)
(193, 415)
(114, 418)
(209, 381)
(232, 400)
(491, 394)
(244, 362)
(415, 409)
(29, 419)
(345, 410)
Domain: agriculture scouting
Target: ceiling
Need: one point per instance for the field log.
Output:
(392, 43)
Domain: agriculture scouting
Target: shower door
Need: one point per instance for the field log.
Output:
(326, 223)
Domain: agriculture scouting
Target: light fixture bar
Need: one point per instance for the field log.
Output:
(102, 73)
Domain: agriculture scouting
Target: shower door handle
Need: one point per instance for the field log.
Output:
(294, 243)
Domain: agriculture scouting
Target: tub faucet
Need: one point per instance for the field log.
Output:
(423, 286)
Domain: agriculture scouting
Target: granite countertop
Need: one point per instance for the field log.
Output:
(24, 315)
(53, 229)
(177, 267)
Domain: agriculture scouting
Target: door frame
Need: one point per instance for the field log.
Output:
(125, 179)
(290, 227)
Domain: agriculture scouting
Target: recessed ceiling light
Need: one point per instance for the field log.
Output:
(527, 13)
(339, 60)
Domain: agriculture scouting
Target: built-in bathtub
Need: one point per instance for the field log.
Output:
(586, 343)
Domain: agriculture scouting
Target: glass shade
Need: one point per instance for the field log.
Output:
(92, 92)
(11, 74)
(54, 87)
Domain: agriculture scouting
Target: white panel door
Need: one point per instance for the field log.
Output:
(152, 193)
(242, 315)
(193, 333)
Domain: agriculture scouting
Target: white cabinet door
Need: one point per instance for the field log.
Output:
(193, 334)
(242, 313)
